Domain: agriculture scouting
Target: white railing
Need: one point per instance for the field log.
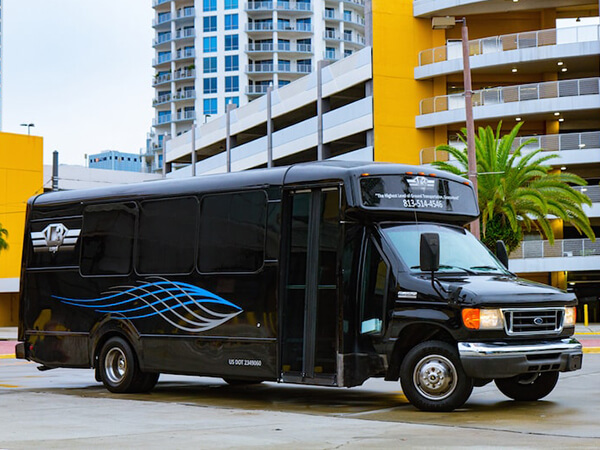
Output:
(293, 6)
(332, 35)
(357, 20)
(503, 43)
(185, 95)
(510, 94)
(330, 55)
(561, 248)
(185, 33)
(302, 27)
(259, 6)
(186, 115)
(330, 15)
(259, 68)
(354, 39)
(256, 89)
(161, 79)
(184, 73)
(185, 13)
(593, 192)
(161, 59)
(259, 26)
(162, 39)
(260, 47)
(187, 53)
(548, 142)
(162, 99)
(355, 2)
(161, 120)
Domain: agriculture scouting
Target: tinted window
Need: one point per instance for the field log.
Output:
(54, 243)
(107, 239)
(167, 236)
(232, 232)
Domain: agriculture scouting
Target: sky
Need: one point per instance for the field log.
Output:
(81, 71)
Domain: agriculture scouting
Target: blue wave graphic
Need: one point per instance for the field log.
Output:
(185, 306)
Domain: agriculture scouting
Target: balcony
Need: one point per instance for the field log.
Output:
(510, 101)
(161, 99)
(190, 94)
(162, 79)
(185, 116)
(259, 6)
(187, 33)
(537, 49)
(184, 74)
(260, 47)
(572, 148)
(331, 15)
(259, 27)
(294, 7)
(279, 68)
(185, 54)
(355, 20)
(355, 39)
(256, 89)
(260, 68)
(332, 35)
(566, 254)
(162, 120)
(358, 4)
(186, 13)
(163, 59)
(164, 39)
(156, 3)
(161, 21)
(294, 28)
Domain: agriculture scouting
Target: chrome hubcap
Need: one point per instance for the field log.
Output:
(435, 377)
(115, 363)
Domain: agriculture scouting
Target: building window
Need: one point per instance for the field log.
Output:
(210, 5)
(232, 62)
(210, 106)
(233, 100)
(210, 24)
(210, 85)
(231, 42)
(231, 21)
(231, 4)
(210, 64)
(210, 44)
(232, 84)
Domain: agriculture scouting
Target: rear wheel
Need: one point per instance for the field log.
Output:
(528, 387)
(119, 371)
(433, 379)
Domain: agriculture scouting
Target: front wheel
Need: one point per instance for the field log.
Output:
(433, 379)
(528, 387)
(119, 371)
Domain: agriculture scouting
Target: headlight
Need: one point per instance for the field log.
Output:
(570, 316)
(482, 319)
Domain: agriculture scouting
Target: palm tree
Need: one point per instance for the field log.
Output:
(516, 190)
(3, 236)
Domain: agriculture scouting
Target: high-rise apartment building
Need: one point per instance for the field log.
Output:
(210, 53)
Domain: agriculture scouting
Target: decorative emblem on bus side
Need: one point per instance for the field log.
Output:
(421, 183)
(184, 306)
(53, 238)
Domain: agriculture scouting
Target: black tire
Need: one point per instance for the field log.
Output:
(433, 379)
(119, 370)
(528, 387)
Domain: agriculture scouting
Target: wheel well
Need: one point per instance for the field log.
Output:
(411, 336)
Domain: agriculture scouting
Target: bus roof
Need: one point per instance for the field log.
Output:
(302, 173)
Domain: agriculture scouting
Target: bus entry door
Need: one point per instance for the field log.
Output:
(310, 311)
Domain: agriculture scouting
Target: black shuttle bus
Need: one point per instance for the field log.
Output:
(324, 273)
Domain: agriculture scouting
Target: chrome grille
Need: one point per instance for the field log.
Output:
(533, 320)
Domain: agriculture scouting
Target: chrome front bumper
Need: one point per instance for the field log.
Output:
(501, 360)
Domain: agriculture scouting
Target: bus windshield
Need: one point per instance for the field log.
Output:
(460, 251)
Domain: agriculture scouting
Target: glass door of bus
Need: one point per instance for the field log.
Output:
(310, 307)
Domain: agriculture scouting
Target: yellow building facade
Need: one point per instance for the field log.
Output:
(21, 176)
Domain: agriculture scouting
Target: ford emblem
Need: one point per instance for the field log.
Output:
(538, 321)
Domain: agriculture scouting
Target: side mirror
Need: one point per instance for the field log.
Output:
(429, 253)
(501, 253)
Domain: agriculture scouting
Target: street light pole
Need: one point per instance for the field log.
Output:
(28, 125)
(471, 156)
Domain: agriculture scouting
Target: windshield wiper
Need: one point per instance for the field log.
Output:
(469, 271)
(486, 268)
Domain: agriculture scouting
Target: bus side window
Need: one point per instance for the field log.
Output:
(233, 232)
(373, 291)
(107, 239)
